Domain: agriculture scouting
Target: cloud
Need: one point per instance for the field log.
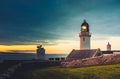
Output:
(22, 51)
(100, 37)
(24, 22)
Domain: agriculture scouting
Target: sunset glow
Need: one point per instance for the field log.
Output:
(64, 46)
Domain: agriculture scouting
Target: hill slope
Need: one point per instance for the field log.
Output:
(93, 72)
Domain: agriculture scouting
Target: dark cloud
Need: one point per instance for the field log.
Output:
(25, 21)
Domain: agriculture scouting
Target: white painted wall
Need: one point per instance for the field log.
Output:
(84, 42)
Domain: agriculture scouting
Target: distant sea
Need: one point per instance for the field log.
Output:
(7, 56)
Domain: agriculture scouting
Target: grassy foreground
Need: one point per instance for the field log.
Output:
(94, 72)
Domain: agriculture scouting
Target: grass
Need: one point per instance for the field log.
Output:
(4, 66)
(93, 72)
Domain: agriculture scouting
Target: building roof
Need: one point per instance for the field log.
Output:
(81, 54)
(107, 52)
(110, 51)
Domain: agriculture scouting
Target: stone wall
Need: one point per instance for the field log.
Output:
(100, 60)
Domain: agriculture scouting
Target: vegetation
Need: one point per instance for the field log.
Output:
(4, 66)
(93, 72)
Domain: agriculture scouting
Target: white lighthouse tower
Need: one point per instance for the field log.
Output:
(84, 36)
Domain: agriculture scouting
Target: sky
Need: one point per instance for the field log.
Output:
(55, 24)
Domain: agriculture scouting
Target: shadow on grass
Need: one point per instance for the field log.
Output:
(49, 71)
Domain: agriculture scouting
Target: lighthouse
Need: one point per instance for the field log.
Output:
(84, 36)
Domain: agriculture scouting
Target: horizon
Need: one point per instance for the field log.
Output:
(56, 25)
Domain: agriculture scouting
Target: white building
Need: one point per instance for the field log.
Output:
(108, 47)
(40, 53)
